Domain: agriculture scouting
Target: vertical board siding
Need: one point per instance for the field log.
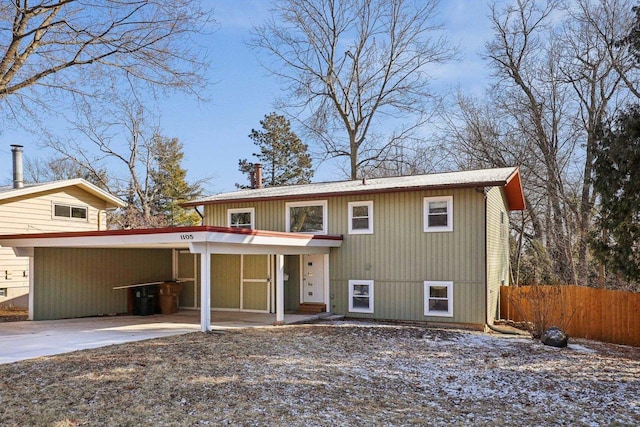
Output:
(225, 281)
(399, 256)
(592, 313)
(72, 282)
(497, 250)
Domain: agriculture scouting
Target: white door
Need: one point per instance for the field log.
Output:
(313, 278)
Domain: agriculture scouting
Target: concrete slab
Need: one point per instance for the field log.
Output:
(26, 340)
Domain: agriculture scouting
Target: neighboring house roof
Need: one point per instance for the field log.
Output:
(509, 178)
(7, 193)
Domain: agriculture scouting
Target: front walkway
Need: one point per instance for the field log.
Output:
(26, 340)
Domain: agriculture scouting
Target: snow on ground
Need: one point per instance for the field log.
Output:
(331, 373)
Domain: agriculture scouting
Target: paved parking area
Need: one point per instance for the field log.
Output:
(26, 340)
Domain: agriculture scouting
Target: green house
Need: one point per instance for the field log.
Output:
(429, 248)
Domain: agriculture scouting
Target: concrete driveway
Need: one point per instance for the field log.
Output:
(26, 340)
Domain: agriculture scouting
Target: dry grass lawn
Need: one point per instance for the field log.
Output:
(351, 373)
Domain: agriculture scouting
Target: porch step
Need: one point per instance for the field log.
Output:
(312, 308)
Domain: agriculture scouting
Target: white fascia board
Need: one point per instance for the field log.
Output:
(257, 239)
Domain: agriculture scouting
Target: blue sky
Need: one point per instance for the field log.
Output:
(215, 133)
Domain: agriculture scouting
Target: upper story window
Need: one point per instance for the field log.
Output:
(307, 217)
(503, 227)
(71, 212)
(360, 217)
(241, 218)
(438, 213)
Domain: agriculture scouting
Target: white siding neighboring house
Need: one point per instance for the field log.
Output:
(67, 205)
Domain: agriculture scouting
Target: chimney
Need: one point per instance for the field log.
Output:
(258, 176)
(18, 176)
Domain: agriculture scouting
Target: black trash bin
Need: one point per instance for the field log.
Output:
(146, 300)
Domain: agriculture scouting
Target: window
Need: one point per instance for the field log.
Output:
(361, 217)
(438, 214)
(3, 292)
(361, 296)
(503, 231)
(307, 217)
(72, 212)
(241, 218)
(438, 299)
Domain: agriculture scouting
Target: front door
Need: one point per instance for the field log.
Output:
(313, 278)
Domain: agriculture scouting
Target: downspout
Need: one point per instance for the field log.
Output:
(486, 259)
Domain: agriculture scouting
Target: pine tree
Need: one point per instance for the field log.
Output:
(282, 154)
(617, 182)
(170, 183)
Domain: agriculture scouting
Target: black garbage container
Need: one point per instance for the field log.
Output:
(145, 300)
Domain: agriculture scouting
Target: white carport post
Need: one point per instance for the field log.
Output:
(205, 289)
(279, 289)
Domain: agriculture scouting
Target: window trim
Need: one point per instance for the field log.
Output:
(370, 283)
(369, 205)
(425, 208)
(251, 211)
(71, 208)
(325, 213)
(438, 313)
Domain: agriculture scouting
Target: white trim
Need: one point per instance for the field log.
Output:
(325, 213)
(279, 288)
(370, 296)
(250, 211)
(205, 288)
(225, 243)
(449, 298)
(425, 214)
(327, 299)
(32, 269)
(369, 205)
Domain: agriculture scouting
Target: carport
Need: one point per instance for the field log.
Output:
(120, 257)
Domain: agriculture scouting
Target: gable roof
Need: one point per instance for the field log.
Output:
(7, 193)
(509, 178)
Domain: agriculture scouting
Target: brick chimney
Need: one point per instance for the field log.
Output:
(18, 175)
(258, 175)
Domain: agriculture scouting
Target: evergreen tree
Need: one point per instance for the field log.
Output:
(617, 181)
(170, 183)
(283, 156)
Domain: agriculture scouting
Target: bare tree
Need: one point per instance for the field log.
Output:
(357, 71)
(590, 67)
(557, 77)
(525, 63)
(70, 46)
(143, 167)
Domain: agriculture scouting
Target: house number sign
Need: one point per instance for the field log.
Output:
(186, 237)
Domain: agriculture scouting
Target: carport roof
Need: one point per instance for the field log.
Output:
(225, 239)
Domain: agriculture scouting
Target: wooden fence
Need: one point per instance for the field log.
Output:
(598, 314)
